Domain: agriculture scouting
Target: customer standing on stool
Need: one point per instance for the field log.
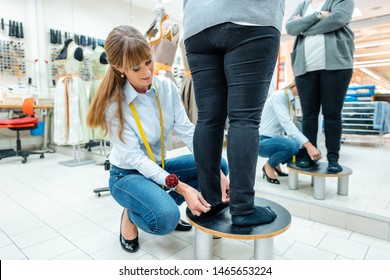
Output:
(138, 111)
(322, 61)
(231, 47)
(280, 139)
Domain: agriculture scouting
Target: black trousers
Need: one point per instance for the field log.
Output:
(231, 67)
(326, 89)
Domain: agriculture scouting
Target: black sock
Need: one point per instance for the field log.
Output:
(261, 216)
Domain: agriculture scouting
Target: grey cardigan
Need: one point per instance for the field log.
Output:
(339, 45)
(200, 15)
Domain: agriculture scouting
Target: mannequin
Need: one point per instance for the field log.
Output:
(70, 101)
(163, 35)
(99, 67)
(187, 89)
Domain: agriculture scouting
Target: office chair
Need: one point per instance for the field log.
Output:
(29, 122)
(107, 167)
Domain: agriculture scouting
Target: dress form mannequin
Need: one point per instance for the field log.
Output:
(163, 36)
(187, 89)
(70, 102)
(99, 67)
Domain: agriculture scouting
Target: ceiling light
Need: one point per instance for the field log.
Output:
(370, 54)
(357, 13)
(371, 65)
(372, 45)
(371, 61)
(369, 73)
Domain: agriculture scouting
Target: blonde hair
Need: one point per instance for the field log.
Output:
(125, 48)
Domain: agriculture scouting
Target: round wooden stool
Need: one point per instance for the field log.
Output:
(220, 224)
(319, 173)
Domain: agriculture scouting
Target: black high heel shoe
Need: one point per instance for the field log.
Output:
(130, 246)
(183, 226)
(280, 173)
(270, 180)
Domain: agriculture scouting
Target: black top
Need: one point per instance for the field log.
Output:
(220, 224)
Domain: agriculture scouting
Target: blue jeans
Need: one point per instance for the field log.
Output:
(232, 67)
(277, 149)
(148, 205)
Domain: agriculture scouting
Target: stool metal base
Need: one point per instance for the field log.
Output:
(203, 245)
(263, 248)
(319, 187)
(293, 181)
(342, 185)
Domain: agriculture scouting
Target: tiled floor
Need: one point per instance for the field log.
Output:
(48, 211)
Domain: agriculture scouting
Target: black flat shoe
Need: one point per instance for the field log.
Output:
(306, 163)
(270, 180)
(130, 246)
(280, 173)
(334, 166)
(183, 226)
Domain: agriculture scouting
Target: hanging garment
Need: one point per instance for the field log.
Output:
(70, 101)
(99, 67)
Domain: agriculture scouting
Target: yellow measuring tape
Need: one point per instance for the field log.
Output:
(288, 101)
(142, 132)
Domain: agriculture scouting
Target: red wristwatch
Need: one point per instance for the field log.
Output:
(171, 181)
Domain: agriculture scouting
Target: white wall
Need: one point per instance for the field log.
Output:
(83, 17)
(94, 18)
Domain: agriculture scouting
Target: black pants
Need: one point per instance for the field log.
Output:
(326, 89)
(231, 67)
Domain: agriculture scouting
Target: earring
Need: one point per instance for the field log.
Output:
(122, 75)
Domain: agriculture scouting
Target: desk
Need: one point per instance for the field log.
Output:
(44, 109)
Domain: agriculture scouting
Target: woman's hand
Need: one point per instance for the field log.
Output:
(324, 14)
(313, 152)
(225, 188)
(195, 201)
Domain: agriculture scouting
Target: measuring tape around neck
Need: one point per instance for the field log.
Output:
(142, 132)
